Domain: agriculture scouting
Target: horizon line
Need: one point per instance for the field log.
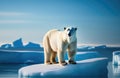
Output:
(78, 45)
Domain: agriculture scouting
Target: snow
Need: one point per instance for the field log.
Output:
(88, 68)
(116, 58)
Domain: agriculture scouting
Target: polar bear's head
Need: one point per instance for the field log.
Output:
(70, 31)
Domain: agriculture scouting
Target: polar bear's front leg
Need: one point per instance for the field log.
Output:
(72, 52)
(61, 58)
(71, 56)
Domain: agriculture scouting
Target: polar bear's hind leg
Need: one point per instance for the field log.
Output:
(53, 57)
(47, 50)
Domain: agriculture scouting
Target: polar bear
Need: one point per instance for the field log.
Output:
(56, 42)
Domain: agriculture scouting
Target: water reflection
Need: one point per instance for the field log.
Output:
(116, 70)
(113, 71)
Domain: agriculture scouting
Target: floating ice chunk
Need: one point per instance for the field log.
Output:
(86, 68)
(116, 58)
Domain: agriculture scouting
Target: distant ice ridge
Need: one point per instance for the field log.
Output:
(116, 58)
(18, 45)
(90, 48)
(6, 46)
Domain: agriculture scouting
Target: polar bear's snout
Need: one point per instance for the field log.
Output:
(70, 31)
(69, 34)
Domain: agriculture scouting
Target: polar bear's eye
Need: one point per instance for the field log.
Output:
(68, 30)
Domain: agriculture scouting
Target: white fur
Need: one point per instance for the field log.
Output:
(59, 41)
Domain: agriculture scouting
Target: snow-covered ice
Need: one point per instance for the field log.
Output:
(116, 58)
(90, 67)
(94, 66)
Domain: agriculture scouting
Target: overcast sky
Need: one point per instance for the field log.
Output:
(98, 21)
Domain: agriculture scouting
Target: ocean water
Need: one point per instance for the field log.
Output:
(11, 70)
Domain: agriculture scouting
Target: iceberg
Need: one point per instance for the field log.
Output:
(32, 45)
(18, 43)
(116, 58)
(6, 46)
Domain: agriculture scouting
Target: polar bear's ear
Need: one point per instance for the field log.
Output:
(75, 28)
(64, 28)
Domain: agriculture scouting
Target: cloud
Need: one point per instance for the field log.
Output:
(13, 21)
(12, 13)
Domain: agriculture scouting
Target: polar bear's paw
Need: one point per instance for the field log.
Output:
(55, 62)
(63, 63)
(47, 63)
(71, 62)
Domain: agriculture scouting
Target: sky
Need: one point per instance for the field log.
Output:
(98, 21)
